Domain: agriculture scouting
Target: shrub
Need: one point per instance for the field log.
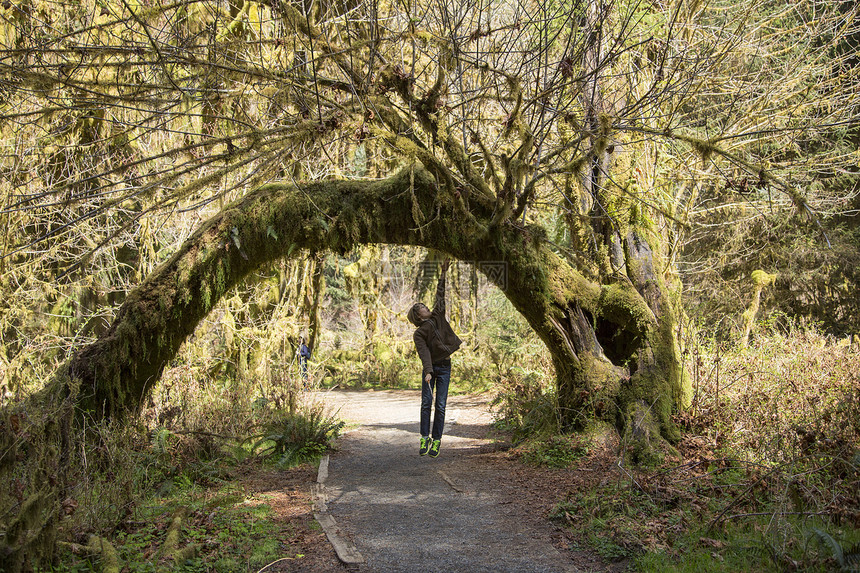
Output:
(293, 438)
(526, 404)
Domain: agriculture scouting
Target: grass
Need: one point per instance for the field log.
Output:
(658, 526)
(767, 476)
(555, 452)
(229, 530)
(135, 480)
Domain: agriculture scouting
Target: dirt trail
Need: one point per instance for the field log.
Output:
(453, 513)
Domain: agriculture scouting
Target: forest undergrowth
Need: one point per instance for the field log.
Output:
(766, 477)
(171, 492)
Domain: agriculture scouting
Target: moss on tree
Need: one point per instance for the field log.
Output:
(597, 334)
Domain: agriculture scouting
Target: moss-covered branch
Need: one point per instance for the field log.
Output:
(273, 222)
(117, 371)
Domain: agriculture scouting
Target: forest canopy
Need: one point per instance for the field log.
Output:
(126, 122)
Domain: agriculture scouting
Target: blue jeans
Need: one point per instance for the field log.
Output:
(303, 367)
(440, 380)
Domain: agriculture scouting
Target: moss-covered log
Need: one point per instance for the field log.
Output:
(609, 347)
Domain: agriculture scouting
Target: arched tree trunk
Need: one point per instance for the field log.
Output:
(614, 358)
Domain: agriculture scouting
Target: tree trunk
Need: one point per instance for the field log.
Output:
(613, 354)
(634, 371)
(612, 344)
(318, 287)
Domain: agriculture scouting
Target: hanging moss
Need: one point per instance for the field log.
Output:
(761, 279)
(705, 149)
(206, 296)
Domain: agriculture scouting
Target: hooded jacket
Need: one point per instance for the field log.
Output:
(435, 340)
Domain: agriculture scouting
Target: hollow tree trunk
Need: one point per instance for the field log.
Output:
(646, 380)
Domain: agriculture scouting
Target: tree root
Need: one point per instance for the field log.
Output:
(173, 531)
(101, 547)
(109, 557)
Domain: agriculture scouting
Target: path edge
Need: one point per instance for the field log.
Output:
(345, 550)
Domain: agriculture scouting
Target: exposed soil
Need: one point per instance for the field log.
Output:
(288, 493)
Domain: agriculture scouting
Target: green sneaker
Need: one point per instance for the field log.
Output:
(434, 448)
(425, 446)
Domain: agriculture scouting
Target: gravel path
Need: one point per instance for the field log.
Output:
(409, 513)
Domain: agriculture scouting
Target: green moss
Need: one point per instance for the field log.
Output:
(220, 279)
(762, 279)
(656, 382)
(206, 296)
(704, 148)
(601, 378)
(601, 433)
(642, 439)
(339, 214)
(621, 304)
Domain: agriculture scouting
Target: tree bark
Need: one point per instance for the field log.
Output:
(318, 288)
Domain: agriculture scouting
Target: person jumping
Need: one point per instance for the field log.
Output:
(435, 341)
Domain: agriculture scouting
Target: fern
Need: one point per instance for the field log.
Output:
(297, 437)
(852, 559)
(848, 561)
(159, 441)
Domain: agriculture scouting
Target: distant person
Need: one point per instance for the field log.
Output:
(303, 352)
(435, 341)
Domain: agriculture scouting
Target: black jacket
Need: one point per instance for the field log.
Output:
(435, 340)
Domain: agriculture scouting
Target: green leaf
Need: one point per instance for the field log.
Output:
(825, 538)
